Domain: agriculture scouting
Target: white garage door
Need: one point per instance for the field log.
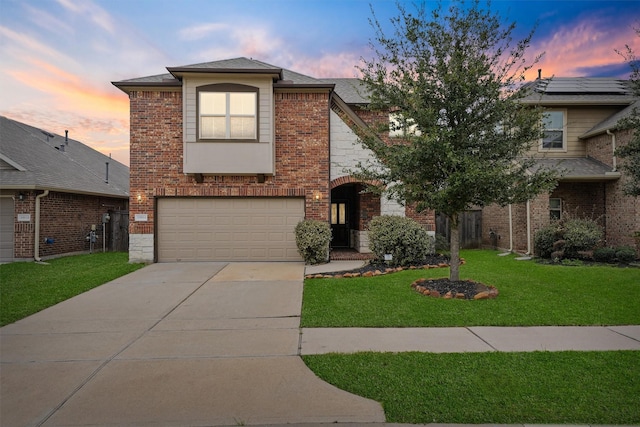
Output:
(6, 229)
(228, 229)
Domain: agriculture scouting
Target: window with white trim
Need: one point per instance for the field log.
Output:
(227, 112)
(555, 209)
(554, 134)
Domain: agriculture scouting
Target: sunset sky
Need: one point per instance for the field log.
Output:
(59, 57)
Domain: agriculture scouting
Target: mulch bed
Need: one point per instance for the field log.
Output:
(435, 288)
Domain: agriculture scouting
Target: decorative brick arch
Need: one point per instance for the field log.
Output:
(348, 179)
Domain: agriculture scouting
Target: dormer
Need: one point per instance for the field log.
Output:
(228, 117)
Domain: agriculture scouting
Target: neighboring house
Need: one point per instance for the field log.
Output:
(581, 137)
(228, 156)
(53, 189)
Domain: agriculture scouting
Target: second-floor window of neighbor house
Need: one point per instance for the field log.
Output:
(228, 115)
(553, 138)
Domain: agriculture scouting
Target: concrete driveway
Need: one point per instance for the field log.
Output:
(173, 345)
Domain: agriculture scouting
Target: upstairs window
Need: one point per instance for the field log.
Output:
(227, 112)
(554, 133)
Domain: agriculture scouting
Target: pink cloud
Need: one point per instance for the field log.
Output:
(589, 44)
(69, 90)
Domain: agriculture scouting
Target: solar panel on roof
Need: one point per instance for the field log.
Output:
(581, 86)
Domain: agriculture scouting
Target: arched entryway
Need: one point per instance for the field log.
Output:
(351, 210)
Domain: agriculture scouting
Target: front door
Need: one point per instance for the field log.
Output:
(340, 224)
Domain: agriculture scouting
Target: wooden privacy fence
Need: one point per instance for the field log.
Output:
(117, 230)
(470, 232)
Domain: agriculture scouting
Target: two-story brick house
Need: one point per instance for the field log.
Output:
(228, 156)
(581, 137)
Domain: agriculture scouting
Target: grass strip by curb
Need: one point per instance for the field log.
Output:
(501, 388)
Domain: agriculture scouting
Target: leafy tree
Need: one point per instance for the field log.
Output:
(631, 151)
(455, 82)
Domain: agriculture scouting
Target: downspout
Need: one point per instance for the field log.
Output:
(510, 229)
(36, 243)
(613, 146)
(528, 228)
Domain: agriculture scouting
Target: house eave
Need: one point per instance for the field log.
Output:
(608, 176)
(180, 72)
(568, 103)
(293, 87)
(128, 87)
(36, 187)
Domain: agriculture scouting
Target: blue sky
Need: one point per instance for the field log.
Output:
(59, 57)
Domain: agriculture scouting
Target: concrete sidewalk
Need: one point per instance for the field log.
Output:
(471, 339)
(195, 344)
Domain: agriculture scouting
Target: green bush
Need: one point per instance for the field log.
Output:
(625, 254)
(581, 235)
(312, 239)
(545, 238)
(406, 240)
(568, 238)
(604, 255)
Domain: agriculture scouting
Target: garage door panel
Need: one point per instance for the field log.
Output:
(228, 229)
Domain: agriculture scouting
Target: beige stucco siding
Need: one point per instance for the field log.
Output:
(578, 120)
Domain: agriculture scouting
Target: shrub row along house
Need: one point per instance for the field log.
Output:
(228, 156)
(53, 190)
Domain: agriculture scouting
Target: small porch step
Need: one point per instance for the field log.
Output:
(345, 254)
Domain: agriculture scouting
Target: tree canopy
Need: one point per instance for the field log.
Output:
(631, 151)
(454, 82)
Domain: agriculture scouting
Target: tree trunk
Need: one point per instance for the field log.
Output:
(454, 267)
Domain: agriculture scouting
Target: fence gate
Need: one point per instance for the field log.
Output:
(118, 231)
(470, 230)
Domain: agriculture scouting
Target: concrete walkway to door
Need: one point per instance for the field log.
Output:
(172, 345)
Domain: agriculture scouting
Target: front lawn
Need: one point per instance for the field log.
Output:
(530, 294)
(501, 388)
(28, 287)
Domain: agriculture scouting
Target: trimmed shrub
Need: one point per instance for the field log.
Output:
(625, 254)
(545, 238)
(604, 255)
(406, 240)
(581, 235)
(568, 238)
(312, 239)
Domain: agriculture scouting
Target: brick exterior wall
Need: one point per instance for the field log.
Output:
(622, 213)
(301, 169)
(64, 217)
(496, 219)
(426, 218)
(368, 207)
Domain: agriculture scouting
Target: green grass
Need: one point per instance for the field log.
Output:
(539, 387)
(27, 287)
(530, 294)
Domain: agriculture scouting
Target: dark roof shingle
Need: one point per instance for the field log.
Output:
(36, 159)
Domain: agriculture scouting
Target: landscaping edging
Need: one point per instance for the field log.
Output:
(364, 272)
